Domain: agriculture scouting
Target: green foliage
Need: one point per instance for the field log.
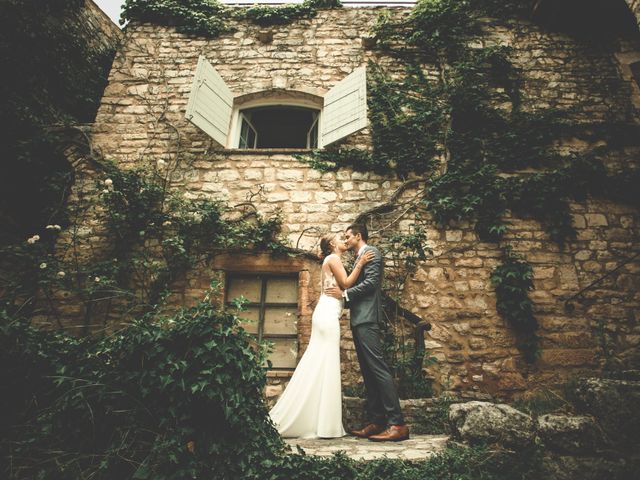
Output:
(439, 27)
(513, 280)
(434, 420)
(195, 17)
(210, 18)
(503, 8)
(56, 78)
(455, 118)
(179, 398)
(155, 236)
(127, 406)
(454, 463)
(265, 15)
(412, 381)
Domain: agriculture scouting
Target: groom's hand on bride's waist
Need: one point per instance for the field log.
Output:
(334, 292)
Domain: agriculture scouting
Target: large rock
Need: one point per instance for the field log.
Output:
(570, 434)
(484, 422)
(616, 406)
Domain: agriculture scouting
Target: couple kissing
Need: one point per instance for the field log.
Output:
(311, 405)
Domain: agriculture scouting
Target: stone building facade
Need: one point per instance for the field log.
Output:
(142, 119)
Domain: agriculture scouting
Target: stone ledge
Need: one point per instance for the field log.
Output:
(418, 447)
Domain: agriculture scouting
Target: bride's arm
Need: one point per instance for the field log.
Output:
(340, 274)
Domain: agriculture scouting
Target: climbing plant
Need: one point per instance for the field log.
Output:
(55, 77)
(210, 18)
(154, 236)
(512, 280)
(455, 119)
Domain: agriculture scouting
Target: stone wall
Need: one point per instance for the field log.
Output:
(634, 5)
(142, 120)
(101, 32)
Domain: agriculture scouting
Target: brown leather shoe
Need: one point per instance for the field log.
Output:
(393, 433)
(371, 429)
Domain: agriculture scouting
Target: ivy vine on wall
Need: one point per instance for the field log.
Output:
(456, 120)
(210, 18)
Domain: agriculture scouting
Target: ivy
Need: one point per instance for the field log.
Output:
(512, 280)
(179, 398)
(456, 119)
(282, 15)
(174, 399)
(57, 77)
(154, 236)
(195, 17)
(210, 18)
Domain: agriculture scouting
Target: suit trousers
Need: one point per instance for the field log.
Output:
(383, 404)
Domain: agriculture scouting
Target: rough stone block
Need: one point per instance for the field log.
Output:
(570, 433)
(484, 422)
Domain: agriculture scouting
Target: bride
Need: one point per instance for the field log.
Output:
(311, 405)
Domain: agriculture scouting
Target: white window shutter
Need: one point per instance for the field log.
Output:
(210, 102)
(345, 107)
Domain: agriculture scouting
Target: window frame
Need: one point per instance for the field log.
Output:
(245, 119)
(262, 305)
(233, 139)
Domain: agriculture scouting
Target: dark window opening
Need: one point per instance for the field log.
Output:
(279, 127)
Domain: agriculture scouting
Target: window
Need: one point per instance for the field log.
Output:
(272, 312)
(278, 126)
(248, 133)
(272, 122)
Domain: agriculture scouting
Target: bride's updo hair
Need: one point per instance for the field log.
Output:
(325, 245)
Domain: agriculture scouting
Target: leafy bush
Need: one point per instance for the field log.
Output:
(455, 463)
(210, 18)
(195, 17)
(128, 406)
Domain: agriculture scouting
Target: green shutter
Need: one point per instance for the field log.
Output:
(345, 107)
(210, 103)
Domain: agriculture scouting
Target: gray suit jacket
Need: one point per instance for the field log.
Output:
(365, 297)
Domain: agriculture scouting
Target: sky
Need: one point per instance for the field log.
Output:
(111, 8)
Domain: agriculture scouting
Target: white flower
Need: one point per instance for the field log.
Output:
(166, 223)
(108, 182)
(161, 163)
(61, 274)
(96, 279)
(105, 191)
(36, 238)
(54, 227)
(31, 240)
(43, 265)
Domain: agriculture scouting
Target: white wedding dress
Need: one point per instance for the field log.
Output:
(311, 405)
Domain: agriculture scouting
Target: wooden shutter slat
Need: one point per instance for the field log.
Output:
(210, 103)
(345, 107)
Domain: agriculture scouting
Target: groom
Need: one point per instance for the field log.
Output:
(364, 300)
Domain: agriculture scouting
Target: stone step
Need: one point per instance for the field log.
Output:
(418, 447)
